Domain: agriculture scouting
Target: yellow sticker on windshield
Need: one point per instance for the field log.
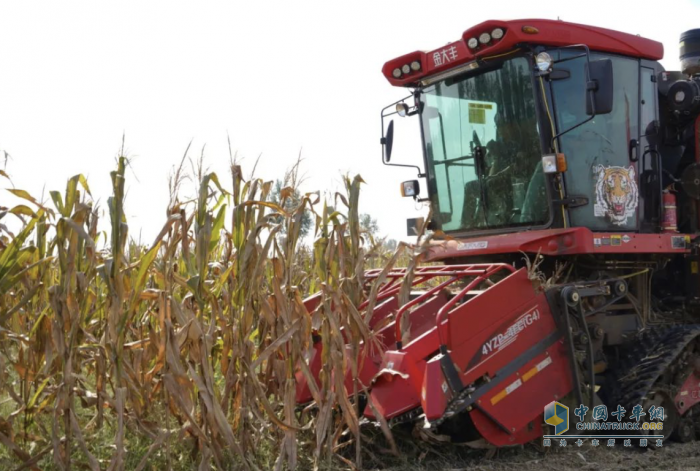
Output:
(484, 106)
(477, 116)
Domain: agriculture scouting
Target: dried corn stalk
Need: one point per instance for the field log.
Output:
(187, 347)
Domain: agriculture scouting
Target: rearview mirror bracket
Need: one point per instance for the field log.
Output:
(599, 87)
(387, 140)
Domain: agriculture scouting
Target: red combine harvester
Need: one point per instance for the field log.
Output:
(563, 165)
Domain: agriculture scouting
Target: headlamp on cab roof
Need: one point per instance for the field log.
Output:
(543, 61)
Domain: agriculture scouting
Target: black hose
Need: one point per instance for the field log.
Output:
(589, 353)
(570, 346)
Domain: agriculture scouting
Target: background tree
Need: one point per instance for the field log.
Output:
(368, 224)
(291, 203)
(370, 228)
(390, 244)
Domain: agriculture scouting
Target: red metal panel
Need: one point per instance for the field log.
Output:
(519, 400)
(434, 393)
(549, 33)
(486, 314)
(367, 370)
(494, 435)
(511, 333)
(422, 318)
(370, 365)
(689, 394)
(312, 301)
(382, 311)
(425, 345)
(574, 241)
(487, 334)
(500, 269)
(396, 389)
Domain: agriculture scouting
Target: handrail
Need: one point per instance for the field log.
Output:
(386, 293)
(438, 319)
(408, 305)
(432, 270)
(481, 271)
(390, 290)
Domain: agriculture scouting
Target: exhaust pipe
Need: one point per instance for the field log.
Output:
(690, 52)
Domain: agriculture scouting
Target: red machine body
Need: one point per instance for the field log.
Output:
(559, 242)
(568, 273)
(504, 336)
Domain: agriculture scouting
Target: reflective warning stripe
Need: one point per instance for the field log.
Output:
(495, 399)
(509, 389)
(537, 368)
(518, 382)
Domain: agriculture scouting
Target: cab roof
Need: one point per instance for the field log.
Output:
(516, 32)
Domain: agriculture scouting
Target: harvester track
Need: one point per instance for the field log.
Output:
(647, 366)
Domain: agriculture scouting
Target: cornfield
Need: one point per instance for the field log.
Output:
(183, 354)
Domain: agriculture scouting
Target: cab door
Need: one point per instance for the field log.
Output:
(601, 167)
(647, 151)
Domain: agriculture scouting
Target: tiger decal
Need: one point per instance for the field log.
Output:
(616, 194)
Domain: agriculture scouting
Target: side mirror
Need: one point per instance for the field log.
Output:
(599, 89)
(388, 141)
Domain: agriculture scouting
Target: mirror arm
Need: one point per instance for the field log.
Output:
(420, 172)
(570, 129)
(382, 141)
(591, 85)
(566, 59)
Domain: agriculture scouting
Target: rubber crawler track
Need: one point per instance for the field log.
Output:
(645, 362)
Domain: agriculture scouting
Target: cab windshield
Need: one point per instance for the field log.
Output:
(482, 150)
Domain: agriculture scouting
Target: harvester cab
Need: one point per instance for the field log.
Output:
(562, 167)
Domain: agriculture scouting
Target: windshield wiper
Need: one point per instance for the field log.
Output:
(478, 153)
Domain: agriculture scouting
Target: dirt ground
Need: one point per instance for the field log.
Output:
(672, 457)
